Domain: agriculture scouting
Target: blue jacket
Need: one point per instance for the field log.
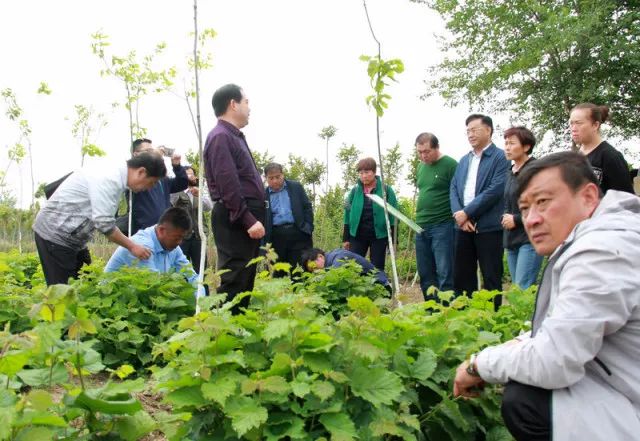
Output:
(300, 207)
(337, 257)
(487, 207)
(149, 205)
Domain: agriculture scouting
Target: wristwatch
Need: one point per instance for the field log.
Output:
(471, 367)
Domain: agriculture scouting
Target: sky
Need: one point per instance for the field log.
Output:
(297, 61)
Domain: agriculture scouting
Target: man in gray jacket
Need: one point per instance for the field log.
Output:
(575, 376)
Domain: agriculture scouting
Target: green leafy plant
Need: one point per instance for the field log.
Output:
(134, 309)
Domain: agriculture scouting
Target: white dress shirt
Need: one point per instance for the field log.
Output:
(472, 176)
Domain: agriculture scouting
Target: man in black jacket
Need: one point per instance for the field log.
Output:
(289, 220)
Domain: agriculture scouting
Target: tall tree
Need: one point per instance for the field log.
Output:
(15, 113)
(347, 157)
(392, 163)
(327, 133)
(261, 159)
(85, 128)
(538, 59)
(136, 75)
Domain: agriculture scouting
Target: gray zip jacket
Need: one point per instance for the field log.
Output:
(585, 343)
(87, 200)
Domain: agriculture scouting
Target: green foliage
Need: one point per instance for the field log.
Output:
(285, 370)
(538, 59)
(380, 72)
(308, 172)
(44, 88)
(137, 76)
(134, 309)
(85, 128)
(336, 285)
(38, 359)
(262, 159)
(19, 273)
(348, 157)
(329, 221)
(392, 164)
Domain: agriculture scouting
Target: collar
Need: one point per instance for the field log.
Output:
(157, 246)
(284, 186)
(124, 173)
(473, 153)
(227, 125)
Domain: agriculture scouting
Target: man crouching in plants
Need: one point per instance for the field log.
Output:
(86, 201)
(315, 259)
(163, 240)
(574, 377)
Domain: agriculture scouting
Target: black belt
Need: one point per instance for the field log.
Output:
(284, 226)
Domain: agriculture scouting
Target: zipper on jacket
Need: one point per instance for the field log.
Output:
(603, 366)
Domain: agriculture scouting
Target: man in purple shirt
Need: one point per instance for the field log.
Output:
(236, 187)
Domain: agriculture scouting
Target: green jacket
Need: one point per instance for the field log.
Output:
(355, 202)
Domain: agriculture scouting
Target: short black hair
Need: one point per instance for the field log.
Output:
(176, 217)
(524, 135)
(272, 166)
(152, 162)
(486, 120)
(310, 254)
(428, 137)
(575, 171)
(223, 96)
(135, 144)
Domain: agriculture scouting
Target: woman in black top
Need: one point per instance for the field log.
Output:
(608, 164)
(523, 261)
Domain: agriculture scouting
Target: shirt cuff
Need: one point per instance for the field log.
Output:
(248, 219)
(485, 364)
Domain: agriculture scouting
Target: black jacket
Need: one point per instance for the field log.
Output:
(517, 237)
(300, 207)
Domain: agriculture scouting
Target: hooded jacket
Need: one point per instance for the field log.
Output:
(585, 343)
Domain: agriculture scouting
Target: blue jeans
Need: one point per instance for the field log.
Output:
(524, 265)
(434, 256)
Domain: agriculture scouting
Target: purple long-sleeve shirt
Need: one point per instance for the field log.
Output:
(231, 172)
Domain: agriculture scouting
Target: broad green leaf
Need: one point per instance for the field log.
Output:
(124, 371)
(7, 417)
(186, 397)
(339, 425)
(366, 350)
(278, 328)
(452, 411)
(40, 400)
(219, 390)
(275, 384)
(300, 389)
(40, 418)
(498, 433)
(35, 433)
(245, 414)
(12, 362)
(377, 385)
(134, 427)
(323, 389)
(338, 377)
(425, 365)
(40, 377)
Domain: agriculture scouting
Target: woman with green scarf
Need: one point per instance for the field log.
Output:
(364, 224)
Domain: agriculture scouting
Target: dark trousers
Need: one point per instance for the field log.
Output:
(526, 411)
(59, 263)
(191, 249)
(235, 250)
(289, 243)
(472, 249)
(377, 249)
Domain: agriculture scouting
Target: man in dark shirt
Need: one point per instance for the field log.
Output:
(236, 187)
(316, 259)
(148, 206)
(289, 221)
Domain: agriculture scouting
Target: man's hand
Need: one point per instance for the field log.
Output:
(256, 231)
(346, 245)
(464, 384)
(468, 226)
(460, 217)
(194, 191)
(175, 159)
(507, 222)
(140, 252)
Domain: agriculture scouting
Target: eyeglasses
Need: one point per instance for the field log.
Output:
(474, 131)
